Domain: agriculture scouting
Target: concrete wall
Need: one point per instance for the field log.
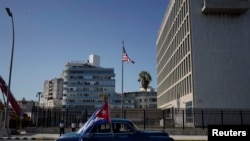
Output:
(221, 60)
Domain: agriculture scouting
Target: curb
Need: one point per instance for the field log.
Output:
(26, 138)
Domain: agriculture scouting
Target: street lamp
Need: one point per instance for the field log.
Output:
(11, 60)
(38, 95)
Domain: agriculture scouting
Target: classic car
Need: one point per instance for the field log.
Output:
(121, 130)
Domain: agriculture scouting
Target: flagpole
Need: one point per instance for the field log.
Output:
(122, 84)
(125, 58)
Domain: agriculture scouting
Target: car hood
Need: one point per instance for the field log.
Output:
(71, 134)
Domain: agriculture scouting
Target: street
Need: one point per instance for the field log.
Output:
(50, 137)
(29, 136)
(25, 139)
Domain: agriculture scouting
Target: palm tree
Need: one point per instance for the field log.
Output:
(104, 98)
(145, 79)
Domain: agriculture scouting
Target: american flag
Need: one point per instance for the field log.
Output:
(125, 57)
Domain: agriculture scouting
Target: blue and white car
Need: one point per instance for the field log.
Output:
(105, 132)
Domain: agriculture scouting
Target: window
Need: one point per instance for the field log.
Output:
(103, 128)
(122, 128)
(117, 128)
(189, 111)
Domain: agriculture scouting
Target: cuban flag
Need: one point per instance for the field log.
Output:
(100, 116)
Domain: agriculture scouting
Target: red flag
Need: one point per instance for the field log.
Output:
(125, 57)
(104, 112)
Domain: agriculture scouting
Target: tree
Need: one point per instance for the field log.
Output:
(145, 79)
(104, 97)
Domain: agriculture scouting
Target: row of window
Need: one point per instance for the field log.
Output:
(177, 18)
(86, 95)
(173, 54)
(89, 83)
(177, 47)
(148, 106)
(96, 89)
(174, 47)
(180, 60)
(184, 87)
(83, 100)
(95, 101)
(149, 99)
(81, 68)
(173, 78)
(70, 77)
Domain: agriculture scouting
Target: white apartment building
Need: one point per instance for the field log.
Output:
(143, 99)
(85, 83)
(52, 94)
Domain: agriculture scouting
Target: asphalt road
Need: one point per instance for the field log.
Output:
(51, 137)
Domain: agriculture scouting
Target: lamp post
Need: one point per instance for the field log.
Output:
(6, 125)
(38, 95)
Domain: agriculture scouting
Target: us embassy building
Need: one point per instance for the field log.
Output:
(203, 61)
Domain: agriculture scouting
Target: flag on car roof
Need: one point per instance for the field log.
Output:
(100, 116)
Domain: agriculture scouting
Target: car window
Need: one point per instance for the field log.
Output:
(103, 128)
(117, 128)
(127, 129)
(122, 128)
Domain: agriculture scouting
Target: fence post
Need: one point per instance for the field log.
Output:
(55, 117)
(44, 119)
(67, 112)
(48, 118)
(241, 118)
(124, 113)
(86, 115)
(221, 117)
(144, 116)
(69, 117)
(163, 118)
(202, 119)
(183, 119)
(51, 116)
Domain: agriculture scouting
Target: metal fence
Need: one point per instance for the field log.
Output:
(146, 118)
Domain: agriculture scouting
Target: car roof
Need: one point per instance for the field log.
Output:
(120, 120)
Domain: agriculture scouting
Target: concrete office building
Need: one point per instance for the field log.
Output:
(203, 56)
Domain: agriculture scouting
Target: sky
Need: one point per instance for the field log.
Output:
(51, 33)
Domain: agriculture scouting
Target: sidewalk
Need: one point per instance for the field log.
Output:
(30, 136)
(189, 138)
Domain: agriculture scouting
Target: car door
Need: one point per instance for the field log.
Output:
(124, 137)
(101, 137)
(101, 133)
(126, 133)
